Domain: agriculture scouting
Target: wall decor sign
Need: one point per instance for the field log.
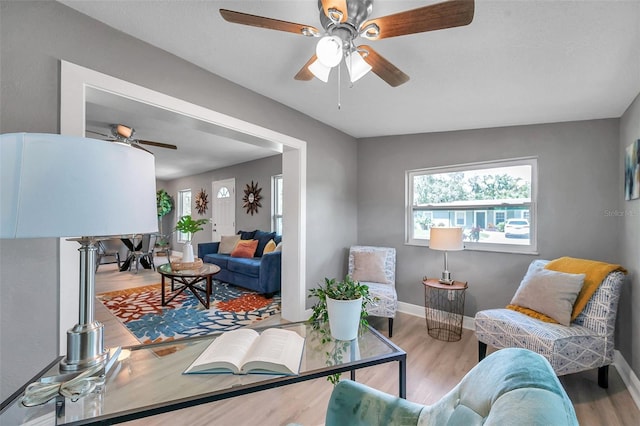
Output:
(252, 198)
(632, 171)
(202, 201)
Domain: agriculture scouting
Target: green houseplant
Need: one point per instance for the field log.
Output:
(164, 205)
(188, 226)
(323, 313)
(345, 290)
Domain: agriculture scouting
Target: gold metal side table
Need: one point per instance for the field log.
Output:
(444, 309)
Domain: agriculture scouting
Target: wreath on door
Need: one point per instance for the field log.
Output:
(252, 198)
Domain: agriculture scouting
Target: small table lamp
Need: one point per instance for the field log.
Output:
(446, 239)
(60, 186)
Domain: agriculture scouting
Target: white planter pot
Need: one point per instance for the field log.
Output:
(187, 252)
(344, 318)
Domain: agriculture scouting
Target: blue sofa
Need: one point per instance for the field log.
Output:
(261, 273)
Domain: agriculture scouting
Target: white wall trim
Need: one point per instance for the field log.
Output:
(628, 376)
(626, 373)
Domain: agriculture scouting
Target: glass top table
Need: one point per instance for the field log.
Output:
(153, 373)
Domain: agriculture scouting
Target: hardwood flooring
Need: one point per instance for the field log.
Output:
(433, 368)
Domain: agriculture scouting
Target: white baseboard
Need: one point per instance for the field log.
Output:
(628, 376)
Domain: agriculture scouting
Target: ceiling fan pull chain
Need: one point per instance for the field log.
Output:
(339, 73)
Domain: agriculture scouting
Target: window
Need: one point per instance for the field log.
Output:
(184, 209)
(276, 204)
(481, 198)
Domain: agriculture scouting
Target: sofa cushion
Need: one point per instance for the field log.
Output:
(263, 238)
(246, 235)
(240, 265)
(217, 259)
(277, 239)
(228, 243)
(271, 246)
(245, 248)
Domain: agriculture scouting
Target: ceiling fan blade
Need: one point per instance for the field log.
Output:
(304, 74)
(158, 144)
(98, 133)
(339, 5)
(268, 23)
(135, 145)
(383, 68)
(454, 13)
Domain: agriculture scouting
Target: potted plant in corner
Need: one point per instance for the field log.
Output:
(343, 305)
(188, 226)
(164, 204)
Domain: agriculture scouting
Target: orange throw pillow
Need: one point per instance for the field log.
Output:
(245, 248)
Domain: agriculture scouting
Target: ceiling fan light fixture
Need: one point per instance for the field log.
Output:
(356, 65)
(321, 71)
(329, 51)
(124, 131)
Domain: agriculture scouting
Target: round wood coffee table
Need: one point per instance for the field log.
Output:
(188, 278)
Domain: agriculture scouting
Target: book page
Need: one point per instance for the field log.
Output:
(277, 350)
(226, 352)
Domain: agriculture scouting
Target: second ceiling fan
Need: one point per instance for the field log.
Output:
(122, 133)
(344, 21)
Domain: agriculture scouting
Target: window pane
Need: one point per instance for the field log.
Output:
(504, 184)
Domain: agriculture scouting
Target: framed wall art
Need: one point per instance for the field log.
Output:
(632, 171)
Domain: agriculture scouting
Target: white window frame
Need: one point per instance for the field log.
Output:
(410, 208)
(183, 210)
(276, 208)
(464, 218)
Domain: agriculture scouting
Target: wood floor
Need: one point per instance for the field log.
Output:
(433, 368)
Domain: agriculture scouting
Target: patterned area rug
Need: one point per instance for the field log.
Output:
(140, 310)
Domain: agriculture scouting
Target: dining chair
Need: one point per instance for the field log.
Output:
(108, 248)
(145, 253)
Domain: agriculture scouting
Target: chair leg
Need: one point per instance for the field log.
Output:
(603, 377)
(390, 327)
(118, 259)
(482, 350)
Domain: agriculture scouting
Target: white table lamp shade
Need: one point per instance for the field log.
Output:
(449, 239)
(60, 186)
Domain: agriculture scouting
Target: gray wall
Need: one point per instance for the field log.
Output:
(34, 36)
(259, 171)
(578, 181)
(628, 326)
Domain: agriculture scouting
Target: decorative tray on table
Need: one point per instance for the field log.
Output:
(180, 266)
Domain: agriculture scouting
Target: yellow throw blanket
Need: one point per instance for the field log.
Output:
(595, 272)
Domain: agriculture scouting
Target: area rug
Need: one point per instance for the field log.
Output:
(140, 310)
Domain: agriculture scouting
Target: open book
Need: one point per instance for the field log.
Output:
(244, 351)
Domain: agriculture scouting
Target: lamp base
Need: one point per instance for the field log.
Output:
(446, 278)
(85, 347)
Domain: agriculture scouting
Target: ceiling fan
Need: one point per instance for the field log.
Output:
(122, 133)
(344, 21)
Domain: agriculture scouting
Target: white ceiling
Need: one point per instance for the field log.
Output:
(518, 62)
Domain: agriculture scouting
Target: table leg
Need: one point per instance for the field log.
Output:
(402, 379)
(162, 287)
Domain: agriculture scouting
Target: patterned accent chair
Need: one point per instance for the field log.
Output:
(586, 344)
(386, 304)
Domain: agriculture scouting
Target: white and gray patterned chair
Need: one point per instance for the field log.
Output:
(386, 298)
(586, 344)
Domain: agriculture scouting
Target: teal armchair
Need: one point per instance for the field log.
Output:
(511, 386)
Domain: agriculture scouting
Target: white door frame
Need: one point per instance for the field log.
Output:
(74, 82)
(214, 198)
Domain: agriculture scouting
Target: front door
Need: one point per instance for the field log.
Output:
(223, 208)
